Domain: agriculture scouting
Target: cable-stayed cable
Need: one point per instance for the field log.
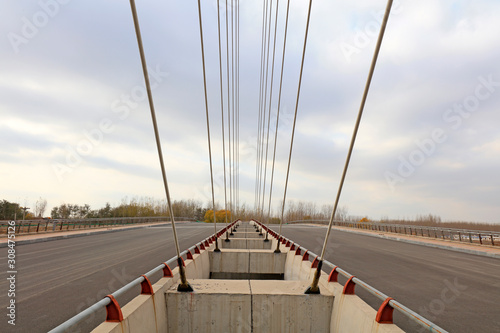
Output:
(222, 114)
(278, 115)
(262, 180)
(261, 117)
(184, 285)
(270, 103)
(314, 288)
(208, 124)
(293, 126)
(228, 111)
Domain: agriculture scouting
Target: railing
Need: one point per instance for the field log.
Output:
(54, 225)
(480, 237)
(140, 281)
(388, 303)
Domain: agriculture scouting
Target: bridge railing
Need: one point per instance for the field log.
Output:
(388, 303)
(54, 225)
(69, 324)
(480, 237)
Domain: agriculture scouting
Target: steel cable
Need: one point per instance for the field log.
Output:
(184, 284)
(294, 123)
(314, 285)
(278, 115)
(208, 123)
(222, 114)
(270, 103)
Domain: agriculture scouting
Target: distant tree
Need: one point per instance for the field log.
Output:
(83, 211)
(106, 211)
(200, 213)
(40, 207)
(10, 210)
(54, 213)
(220, 216)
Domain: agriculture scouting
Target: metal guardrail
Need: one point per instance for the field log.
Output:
(102, 304)
(54, 225)
(410, 314)
(460, 235)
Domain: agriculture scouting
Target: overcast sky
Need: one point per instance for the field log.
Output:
(75, 126)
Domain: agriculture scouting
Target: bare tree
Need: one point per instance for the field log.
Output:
(40, 207)
(341, 213)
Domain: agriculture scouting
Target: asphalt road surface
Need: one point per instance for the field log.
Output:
(57, 279)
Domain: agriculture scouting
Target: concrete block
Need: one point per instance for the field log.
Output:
(234, 261)
(246, 243)
(247, 234)
(246, 261)
(139, 315)
(215, 306)
(106, 327)
(282, 306)
(159, 290)
(266, 262)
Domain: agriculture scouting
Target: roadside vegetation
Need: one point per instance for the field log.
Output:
(193, 209)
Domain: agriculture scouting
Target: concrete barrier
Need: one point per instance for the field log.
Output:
(247, 234)
(246, 262)
(246, 243)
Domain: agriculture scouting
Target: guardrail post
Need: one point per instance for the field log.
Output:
(315, 262)
(167, 272)
(334, 275)
(480, 239)
(384, 313)
(492, 241)
(442, 233)
(29, 226)
(470, 237)
(113, 311)
(146, 287)
(349, 287)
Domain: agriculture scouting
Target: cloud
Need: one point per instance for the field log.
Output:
(80, 75)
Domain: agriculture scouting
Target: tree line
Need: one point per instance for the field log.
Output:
(15, 211)
(193, 209)
(135, 207)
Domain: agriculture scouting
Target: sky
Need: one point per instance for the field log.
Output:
(75, 125)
